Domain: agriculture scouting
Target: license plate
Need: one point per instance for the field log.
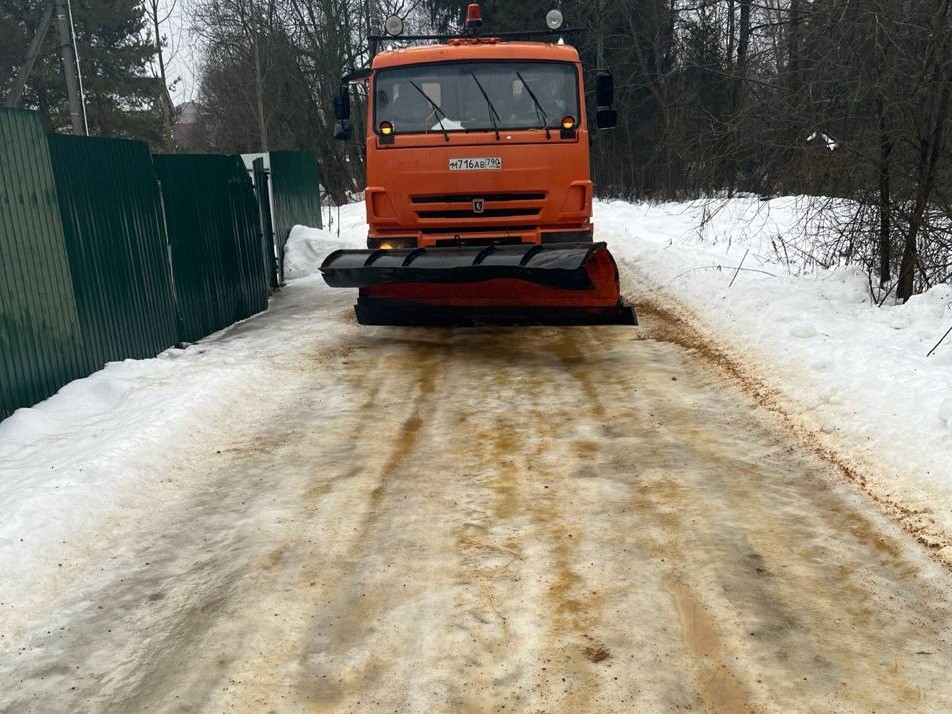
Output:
(486, 163)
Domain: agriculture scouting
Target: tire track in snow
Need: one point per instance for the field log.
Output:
(520, 539)
(344, 605)
(510, 520)
(678, 324)
(796, 610)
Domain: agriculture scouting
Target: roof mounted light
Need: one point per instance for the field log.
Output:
(554, 20)
(474, 16)
(394, 26)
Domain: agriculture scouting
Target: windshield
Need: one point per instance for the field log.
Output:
(476, 96)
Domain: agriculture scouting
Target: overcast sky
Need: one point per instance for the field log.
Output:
(184, 51)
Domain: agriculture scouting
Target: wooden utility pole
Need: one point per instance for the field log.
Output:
(69, 69)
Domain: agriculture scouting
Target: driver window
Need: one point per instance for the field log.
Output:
(409, 108)
(433, 91)
(522, 110)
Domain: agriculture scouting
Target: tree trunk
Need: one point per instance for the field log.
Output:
(165, 98)
(259, 96)
(743, 45)
(885, 205)
(729, 54)
(793, 45)
(936, 112)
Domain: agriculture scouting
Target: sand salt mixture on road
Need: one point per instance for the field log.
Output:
(544, 520)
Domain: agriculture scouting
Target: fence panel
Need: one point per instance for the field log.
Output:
(117, 247)
(295, 186)
(215, 241)
(40, 336)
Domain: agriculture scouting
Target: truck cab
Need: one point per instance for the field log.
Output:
(478, 141)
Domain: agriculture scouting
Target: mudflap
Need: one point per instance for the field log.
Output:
(561, 284)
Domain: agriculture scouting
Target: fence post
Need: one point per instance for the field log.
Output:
(263, 194)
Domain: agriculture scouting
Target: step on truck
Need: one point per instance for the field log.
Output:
(479, 199)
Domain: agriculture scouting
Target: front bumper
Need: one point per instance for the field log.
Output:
(482, 237)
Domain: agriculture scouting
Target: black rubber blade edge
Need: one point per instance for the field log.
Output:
(559, 265)
(406, 313)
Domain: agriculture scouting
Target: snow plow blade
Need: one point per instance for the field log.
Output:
(558, 284)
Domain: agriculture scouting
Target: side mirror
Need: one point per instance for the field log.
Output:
(343, 131)
(605, 116)
(606, 119)
(604, 88)
(342, 104)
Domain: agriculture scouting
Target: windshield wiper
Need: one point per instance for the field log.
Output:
(440, 114)
(539, 110)
(493, 114)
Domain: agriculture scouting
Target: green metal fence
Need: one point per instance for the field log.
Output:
(117, 247)
(107, 253)
(212, 221)
(41, 345)
(295, 186)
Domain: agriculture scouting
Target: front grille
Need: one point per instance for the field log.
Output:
(487, 213)
(470, 197)
(441, 209)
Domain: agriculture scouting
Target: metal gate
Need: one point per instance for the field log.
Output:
(214, 235)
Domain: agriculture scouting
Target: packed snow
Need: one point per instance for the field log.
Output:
(853, 373)
(307, 247)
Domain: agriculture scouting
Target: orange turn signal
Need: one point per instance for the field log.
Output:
(386, 128)
(568, 122)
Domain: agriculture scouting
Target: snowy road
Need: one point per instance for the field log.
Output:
(546, 520)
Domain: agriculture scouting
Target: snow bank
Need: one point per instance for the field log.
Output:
(847, 370)
(307, 247)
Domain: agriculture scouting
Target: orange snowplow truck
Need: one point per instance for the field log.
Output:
(478, 193)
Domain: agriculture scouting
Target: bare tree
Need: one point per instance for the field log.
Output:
(158, 17)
